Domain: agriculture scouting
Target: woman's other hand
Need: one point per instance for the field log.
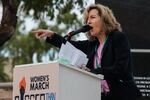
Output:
(85, 68)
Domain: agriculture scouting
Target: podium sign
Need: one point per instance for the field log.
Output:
(36, 82)
(54, 81)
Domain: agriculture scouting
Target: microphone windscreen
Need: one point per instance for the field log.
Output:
(86, 28)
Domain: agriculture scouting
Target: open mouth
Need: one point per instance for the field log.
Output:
(91, 30)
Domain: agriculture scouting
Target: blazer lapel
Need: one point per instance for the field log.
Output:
(105, 46)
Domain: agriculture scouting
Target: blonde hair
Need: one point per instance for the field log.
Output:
(109, 22)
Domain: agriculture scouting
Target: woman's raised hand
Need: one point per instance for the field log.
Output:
(42, 33)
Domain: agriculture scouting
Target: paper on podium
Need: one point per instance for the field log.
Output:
(69, 54)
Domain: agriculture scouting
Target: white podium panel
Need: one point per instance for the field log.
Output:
(54, 81)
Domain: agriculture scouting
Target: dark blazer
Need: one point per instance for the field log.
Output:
(115, 63)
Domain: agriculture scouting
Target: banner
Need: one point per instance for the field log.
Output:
(35, 82)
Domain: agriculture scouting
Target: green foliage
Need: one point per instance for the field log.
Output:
(3, 75)
(23, 46)
(49, 7)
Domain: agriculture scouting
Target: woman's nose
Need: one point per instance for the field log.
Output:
(88, 21)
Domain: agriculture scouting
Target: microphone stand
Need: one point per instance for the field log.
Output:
(84, 28)
(68, 36)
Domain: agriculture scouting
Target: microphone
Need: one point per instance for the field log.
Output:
(84, 28)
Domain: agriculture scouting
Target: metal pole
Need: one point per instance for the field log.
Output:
(140, 50)
(6, 84)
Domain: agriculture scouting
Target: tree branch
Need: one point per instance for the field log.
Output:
(9, 20)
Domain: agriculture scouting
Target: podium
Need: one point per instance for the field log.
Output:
(55, 81)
